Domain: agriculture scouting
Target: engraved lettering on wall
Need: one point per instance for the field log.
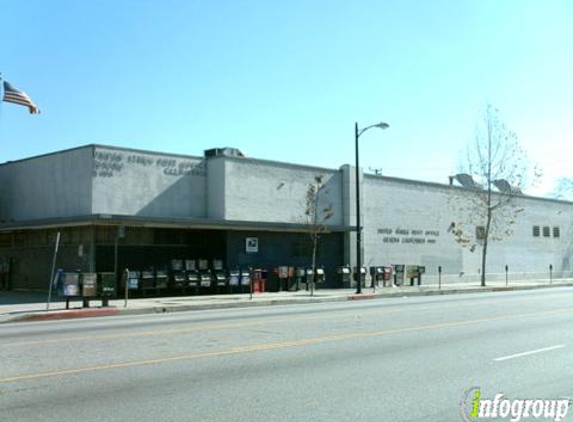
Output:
(410, 236)
(111, 164)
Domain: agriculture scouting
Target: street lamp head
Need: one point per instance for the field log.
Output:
(382, 125)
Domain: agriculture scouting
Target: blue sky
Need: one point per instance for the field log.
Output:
(287, 80)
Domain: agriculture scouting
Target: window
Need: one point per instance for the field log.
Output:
(536, 231)
(546, 231)
(556, 232)
(480, 232)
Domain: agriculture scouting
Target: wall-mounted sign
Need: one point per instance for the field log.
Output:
(252, 244)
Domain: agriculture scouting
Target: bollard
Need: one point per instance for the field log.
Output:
(439, 277)
(550, 273)
(506, 279)
(126, 288)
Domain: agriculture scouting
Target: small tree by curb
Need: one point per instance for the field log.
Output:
(317, 213)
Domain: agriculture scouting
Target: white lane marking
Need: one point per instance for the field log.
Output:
(531, 352)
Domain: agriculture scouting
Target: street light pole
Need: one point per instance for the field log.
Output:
(358, 227)
(357, 134)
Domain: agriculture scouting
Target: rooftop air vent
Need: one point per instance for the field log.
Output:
(227, 152)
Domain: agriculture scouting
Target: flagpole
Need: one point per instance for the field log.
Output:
(1, 94)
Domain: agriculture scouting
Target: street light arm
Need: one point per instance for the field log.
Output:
(380, 125)
(361, 131)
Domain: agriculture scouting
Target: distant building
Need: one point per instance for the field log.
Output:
(210, 207)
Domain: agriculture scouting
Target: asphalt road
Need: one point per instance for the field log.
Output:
(378, 360)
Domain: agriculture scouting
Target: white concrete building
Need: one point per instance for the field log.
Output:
(205, 207)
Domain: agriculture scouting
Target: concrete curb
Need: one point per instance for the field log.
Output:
(113, 311)
(66, 314)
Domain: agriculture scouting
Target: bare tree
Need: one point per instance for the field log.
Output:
(317, 213)
(494, 173)
(564, 189)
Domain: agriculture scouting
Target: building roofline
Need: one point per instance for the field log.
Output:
(169, 154)
(458, 188)
(48, 154)
(161, 222)
(276, 163)
(270, 162)
(102, 146)
(143, 151)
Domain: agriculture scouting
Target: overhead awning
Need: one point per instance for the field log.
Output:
(162, 222)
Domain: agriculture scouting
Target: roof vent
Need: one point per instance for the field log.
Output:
(226, 152)
(465, 180)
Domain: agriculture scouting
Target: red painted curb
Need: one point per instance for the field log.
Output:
(71, 314)
(361, 297)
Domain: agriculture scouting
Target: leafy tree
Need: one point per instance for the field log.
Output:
(494, 173)
(317, 213)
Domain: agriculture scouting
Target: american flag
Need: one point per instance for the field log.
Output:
(13, 95)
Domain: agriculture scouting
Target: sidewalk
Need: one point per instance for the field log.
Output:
(31, 306)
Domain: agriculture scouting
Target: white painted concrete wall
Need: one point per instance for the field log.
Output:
(146, 184)
(257, 190)
(48, 186)
(407, 222)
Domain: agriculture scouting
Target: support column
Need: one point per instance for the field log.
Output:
(349, 212)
